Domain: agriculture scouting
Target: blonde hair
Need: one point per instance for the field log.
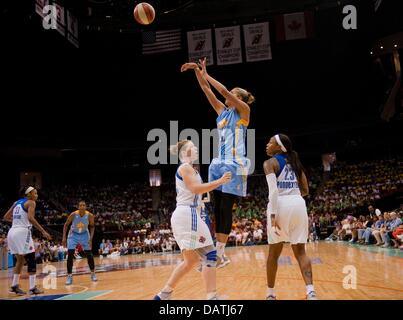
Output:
(176, 148)
(245, 95)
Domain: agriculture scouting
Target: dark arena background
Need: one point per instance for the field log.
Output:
(79, 103)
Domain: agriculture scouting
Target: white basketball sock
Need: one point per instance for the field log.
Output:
(211, 295)
(16, 279)
(32, 281)
(220, 248)
(270, 292)
(309, 288)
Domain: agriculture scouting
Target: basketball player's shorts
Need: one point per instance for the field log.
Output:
(74, 239)
(189, 230)
(292, 218)
(239, 169)
(20, 241)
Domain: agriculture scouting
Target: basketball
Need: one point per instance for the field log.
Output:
(144, 13)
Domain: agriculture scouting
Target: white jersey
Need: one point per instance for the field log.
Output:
(20, 215)
(287, 182)
(184, 197)
(291, 213)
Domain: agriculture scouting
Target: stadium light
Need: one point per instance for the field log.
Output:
(155, 177)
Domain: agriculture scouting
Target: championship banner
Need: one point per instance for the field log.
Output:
(72, 29)
(200, 46)
(257, 42)
(39, 5)
(61, 19)
(228, 45)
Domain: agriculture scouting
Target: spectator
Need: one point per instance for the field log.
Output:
(101, 247)
(61, 252)
(387, 233)
(257, 235)
(376, 227)
(3, 252)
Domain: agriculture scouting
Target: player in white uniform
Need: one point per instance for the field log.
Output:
(19, 238)
(287, 218)
(190, 231)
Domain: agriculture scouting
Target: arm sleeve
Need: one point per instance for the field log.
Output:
(273, 193)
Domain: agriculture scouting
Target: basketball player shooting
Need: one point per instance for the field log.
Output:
(232, 122)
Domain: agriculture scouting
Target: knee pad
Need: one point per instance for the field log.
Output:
(208, 256)
(31, 263)
(211, 259)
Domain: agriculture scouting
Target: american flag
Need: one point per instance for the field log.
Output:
(161, 41)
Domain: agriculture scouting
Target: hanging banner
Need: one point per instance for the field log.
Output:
(257, 42)
(293, 26)
(200, 46)
(228, 45)
(39, 5)
(61, 19)
(72, 28)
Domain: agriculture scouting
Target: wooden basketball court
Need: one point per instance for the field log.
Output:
(379, 274)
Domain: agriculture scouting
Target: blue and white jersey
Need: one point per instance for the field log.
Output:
(184, 197)
(232, 136)
(20, 215)
(287, 181)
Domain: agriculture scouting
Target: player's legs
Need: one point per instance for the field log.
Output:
(31, 263)
(91, 264)
(70, 262)
(217, 207)
(72, 242)
(230, 192)
(209, 258)
(271, 268)
(190, 259)
(223, 226)
(303, 261)
(218, 216)
(19, 263)
(83, 240)
(90, 258)
(306, 268)
(15, 287)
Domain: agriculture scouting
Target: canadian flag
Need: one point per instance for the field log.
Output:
(298, 25)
